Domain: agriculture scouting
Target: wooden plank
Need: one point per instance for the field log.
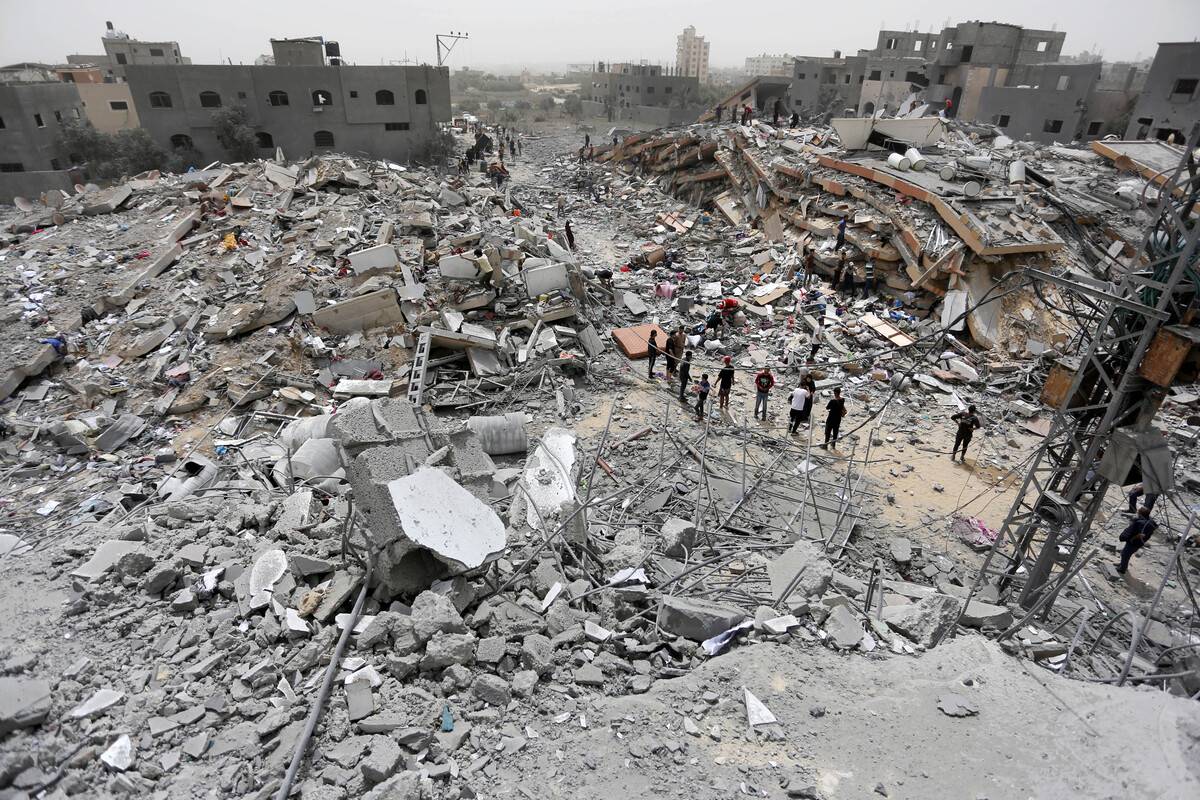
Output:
(887, 330)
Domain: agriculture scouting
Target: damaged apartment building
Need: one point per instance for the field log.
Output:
(989, 72)
(648, 94)
(309, 101)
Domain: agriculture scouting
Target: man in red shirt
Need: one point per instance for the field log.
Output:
(763, 382)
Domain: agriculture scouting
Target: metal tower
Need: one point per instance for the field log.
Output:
(1102, 424)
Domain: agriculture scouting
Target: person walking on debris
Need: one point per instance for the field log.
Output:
(705, 387)
(1140, 529)
(835, 409)
(796, 413)
(587, 140)
(678, 342)
(841, 234)
(968, 423)
(582, 153)
(776, 111)
(817, 336)
(795, 119)
(570, 234)
(719, 109)
(839, 272)
(685, 374)
(725, 383)
(810, 267)
(811, 387)
(652, 351)
(763, 382)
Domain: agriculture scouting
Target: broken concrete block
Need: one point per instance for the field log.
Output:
(461, 268)
(100, 701)
(524, 683)
(435, 513)
(678, 537)
(23, 703)
(380, 258)
(800, 573)
(372, 310)
(433, 613)
(119, 755)
(405, 786)
(928, 619)
(492, 689)
(104, 559)
(545, 279)
(549, 478)
(636, 305)
(985, 615)
(537, 654)
(843, 627)
(360, 700)
(901, 550)
(697, 620)
(589, 675)
(382, 761)
(445, 649)
(107, 200)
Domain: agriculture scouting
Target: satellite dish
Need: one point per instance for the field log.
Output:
(23, 204)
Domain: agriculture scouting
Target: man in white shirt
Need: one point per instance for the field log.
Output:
(799, 401)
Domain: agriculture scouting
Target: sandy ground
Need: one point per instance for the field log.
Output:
(880, 734)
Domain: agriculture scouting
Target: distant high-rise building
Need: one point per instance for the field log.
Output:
(770, 65)
(691, 55)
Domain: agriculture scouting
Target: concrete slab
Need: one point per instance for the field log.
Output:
(372, 310)
(439, 514)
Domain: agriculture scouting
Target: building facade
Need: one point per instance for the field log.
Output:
(1169, 103)
(766, 64)
(31, 120)
(387, 112)
(107, 104)
(691, 55)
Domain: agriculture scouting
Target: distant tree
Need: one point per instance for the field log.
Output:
(468, 106)
(573, 107)
(495, 105)
(111, 156)
(523, 105)
(546, 103)
(232, 127)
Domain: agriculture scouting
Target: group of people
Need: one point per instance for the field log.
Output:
(747, 114)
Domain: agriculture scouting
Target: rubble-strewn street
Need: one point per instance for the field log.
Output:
(384, 479)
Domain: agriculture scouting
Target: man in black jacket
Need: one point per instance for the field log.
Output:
(1135, 536)
(968, 423)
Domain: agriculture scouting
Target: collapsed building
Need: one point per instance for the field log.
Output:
(339, 476)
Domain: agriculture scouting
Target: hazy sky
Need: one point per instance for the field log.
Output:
(555, 32)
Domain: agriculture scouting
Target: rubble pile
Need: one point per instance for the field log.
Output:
(274, 424)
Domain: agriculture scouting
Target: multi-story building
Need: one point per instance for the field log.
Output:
(120, 51)
(644, 93)
(1169, 103)
(297, 104)
(766, 64)
(31, 119)
(691, 55)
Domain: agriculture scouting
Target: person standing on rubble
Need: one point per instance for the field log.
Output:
(678, 342)
(835, 409)
(718, 111)
(763, 382)
(705, 387)
(672, 355)
(795, 118)
(810, 267)
(570, 233)
(587, 141)
(796, 413)
(817, 337)
(652, 351)
(776, 112)
(968, 423)
(725, 383)
(841, 234)
(811, 387)
(685, 374)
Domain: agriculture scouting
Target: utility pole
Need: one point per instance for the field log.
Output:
(443, 49)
